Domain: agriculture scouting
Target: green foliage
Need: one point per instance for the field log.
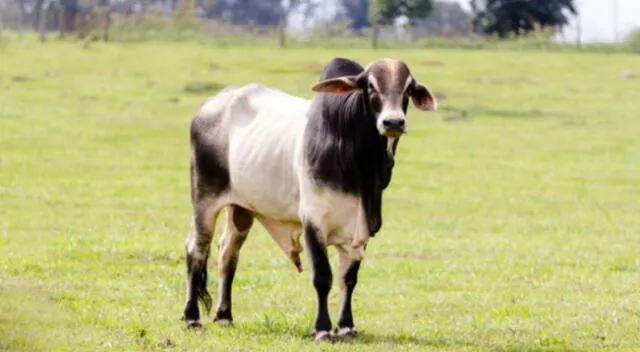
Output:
(3, 40)
(185, 13)
(385, 11)
(183, 23)
(259, 12)
(508, 17)
(511, 223)
(633, 40)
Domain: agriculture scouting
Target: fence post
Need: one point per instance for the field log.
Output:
(42, 19)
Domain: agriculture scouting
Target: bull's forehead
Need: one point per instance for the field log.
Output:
(389, 75)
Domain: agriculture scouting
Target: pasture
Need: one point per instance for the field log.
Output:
(512, 222)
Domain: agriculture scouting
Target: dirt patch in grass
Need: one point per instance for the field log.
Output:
(431, 63)
(505, 80)
(202, 87)
(515, 113)
(440, 95)
(313, 67)
(214, 66)
(21, 78)
(412, 256)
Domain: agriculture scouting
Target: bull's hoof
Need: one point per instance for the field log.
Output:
(323, 336)
(192, 324)
(223, 321)
(346, 333)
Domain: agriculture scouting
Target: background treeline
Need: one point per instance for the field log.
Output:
(310, 22)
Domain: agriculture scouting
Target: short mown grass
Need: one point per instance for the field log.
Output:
(512, 222)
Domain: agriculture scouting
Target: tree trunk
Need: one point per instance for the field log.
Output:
(90, 22)
(42, 20)
(282, 27)
(23, 16)
(107, 23)
(61, 20)
(376, 34)
(446, 19)
(35, 15)
(578, 32)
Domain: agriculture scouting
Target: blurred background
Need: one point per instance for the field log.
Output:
(582, 24)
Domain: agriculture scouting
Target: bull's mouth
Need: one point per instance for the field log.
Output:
(392, 127)
(393, 133)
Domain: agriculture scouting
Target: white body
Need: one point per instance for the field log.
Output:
(267, 174)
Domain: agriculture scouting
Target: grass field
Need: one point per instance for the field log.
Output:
(512, 222)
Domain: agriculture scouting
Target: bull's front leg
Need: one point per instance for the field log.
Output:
(348, 279)
(322, 279)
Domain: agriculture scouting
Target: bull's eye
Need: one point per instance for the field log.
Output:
(376, 103)
(371, 87)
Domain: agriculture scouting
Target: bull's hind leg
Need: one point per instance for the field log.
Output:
(197, 252)
(348, 279)
(238, 224)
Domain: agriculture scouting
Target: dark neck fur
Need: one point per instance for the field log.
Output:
(344, 151)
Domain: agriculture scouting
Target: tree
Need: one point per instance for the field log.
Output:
(446, 18)
(384, 12)
(286, 8)
(257, 12)
(358, 12)
(503, 17)
(69, 10)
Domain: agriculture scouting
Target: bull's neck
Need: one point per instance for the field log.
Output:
(350, 120)
(347, 153)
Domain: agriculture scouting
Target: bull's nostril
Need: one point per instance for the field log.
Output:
(393, 123)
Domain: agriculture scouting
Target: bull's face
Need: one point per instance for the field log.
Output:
(387, 86)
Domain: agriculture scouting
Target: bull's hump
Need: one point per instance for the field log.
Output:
(261, 97)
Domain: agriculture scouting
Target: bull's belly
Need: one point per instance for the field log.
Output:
(266, 195)
(262, 169)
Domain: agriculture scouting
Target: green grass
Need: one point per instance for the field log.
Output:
(513, 229)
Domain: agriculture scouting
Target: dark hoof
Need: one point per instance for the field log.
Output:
(223, 321)
(192, 324)
(323, 336)
(346, 333)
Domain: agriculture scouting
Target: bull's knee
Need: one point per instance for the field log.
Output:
(242, 219)
(322, 282)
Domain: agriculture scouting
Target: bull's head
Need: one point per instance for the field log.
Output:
(387, 85)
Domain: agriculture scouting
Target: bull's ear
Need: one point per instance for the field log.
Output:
(423, 98)
(339, 85)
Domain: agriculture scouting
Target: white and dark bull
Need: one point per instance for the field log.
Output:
(314, 167)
